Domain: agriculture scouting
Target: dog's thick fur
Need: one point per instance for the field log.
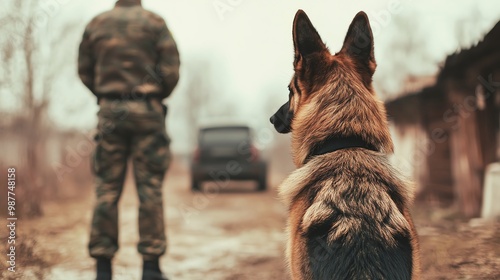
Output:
(348, 208)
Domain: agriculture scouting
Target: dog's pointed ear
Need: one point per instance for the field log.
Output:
(306, 39)
(358, 42)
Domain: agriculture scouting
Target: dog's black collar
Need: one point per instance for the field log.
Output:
(338, 143)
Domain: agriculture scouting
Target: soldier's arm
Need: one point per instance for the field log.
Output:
(169, 62)
(86, 61)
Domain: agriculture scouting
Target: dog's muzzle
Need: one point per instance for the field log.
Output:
(282, 119)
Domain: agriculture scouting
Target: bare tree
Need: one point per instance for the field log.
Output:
(28, 76)
(203, 98)
(403, 57)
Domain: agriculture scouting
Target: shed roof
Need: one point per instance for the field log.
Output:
(482, 57)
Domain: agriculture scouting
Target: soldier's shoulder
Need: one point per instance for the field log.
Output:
(99, 18)
(153, 17)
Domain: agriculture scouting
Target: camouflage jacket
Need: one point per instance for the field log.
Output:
(128, 51)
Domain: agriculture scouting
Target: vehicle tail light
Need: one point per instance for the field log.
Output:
(254, 152)
(196, 154)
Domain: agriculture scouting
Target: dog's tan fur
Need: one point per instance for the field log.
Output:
(340, 100)
(303, 214)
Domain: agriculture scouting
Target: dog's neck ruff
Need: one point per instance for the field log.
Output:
(333, 144)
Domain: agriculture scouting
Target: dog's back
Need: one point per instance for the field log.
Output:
(348, 207)
(349, 216)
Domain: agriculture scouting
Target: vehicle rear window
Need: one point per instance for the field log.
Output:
(224, 135)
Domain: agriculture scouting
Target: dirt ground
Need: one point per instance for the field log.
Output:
(236, 234)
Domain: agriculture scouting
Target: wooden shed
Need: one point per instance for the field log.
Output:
(457, 120)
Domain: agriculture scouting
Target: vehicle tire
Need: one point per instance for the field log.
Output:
(262, 182)
(195, 185)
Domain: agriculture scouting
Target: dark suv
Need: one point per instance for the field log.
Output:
(227, 153)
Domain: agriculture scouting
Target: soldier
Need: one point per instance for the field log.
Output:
(129, 61)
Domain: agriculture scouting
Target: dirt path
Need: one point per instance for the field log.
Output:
(231, 235)
(236, 234)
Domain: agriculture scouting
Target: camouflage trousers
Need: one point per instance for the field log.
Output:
(137, 133)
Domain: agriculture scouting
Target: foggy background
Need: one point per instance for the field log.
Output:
(237, 55)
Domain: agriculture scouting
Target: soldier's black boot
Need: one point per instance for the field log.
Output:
(103, 269)
(151, 270)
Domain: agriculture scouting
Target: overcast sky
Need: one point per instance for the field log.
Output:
(248, 45)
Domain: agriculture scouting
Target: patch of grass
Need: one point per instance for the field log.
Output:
(30, 263)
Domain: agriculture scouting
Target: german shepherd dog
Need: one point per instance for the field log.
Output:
(348, 208)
